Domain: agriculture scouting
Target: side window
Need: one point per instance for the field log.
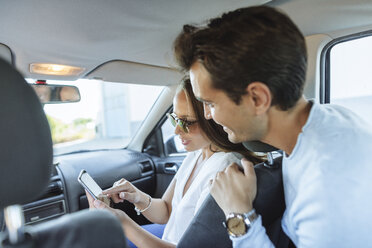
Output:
(350, 76)
(172, 143)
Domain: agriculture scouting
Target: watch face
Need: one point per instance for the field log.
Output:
(236, 226)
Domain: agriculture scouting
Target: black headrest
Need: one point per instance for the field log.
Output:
(258, 146)
(81, 229)
(26, 150)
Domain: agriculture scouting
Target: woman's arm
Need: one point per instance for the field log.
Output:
(135, 233)
(159, 210)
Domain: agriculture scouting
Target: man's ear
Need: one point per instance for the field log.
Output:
(260, 96)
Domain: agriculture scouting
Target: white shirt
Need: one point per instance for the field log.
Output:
(327, 184)
(184, 208)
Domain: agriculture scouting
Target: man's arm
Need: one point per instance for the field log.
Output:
(234, 192)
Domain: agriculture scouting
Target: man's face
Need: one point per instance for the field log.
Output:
(239, 121)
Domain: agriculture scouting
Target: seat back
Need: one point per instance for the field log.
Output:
(26, 150)
(26, 155)
(6, 53)
(206, 229)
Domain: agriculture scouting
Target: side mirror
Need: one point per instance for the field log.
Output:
(170, 145)
(52, 93)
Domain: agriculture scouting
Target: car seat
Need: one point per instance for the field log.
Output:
(206, 229)
(26, 156)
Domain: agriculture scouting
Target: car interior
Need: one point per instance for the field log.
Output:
(119, 55)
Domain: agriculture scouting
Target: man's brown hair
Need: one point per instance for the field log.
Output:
(254, 44)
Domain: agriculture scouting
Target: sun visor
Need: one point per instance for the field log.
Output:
(135, 73)
(6, 53)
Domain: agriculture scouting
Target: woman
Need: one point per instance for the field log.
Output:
(209, 151)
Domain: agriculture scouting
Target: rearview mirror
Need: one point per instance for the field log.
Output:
(54, 93)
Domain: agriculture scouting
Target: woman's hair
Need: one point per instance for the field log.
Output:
(213, 131)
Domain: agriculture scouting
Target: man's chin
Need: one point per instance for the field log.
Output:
(232, 138)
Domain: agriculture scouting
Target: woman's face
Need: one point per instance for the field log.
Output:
(194, 139)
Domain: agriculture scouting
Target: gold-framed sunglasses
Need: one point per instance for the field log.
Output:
(183, 124)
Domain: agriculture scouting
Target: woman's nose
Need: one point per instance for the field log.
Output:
(177, 129)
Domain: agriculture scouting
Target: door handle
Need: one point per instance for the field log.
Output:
(171, 167)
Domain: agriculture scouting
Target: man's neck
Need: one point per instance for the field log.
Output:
(285, 126)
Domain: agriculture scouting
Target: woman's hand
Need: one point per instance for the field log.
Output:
(124, 190)
(97, 204)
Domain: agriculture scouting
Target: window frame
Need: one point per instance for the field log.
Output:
(325, 73)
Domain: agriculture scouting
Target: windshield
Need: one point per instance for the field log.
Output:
(106, 117)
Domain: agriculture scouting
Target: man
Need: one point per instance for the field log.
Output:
(248, 68)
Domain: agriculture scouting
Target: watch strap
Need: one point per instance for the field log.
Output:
(250, 217)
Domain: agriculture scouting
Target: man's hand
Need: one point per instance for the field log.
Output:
(233, 190)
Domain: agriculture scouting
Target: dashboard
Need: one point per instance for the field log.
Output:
(49, 205)
(65, 195)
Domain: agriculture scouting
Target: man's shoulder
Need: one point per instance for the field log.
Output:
(333, 123)
(343, 116)
(334, 136)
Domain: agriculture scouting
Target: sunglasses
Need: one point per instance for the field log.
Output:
(183, 124)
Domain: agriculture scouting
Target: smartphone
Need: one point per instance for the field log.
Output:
(89, 184)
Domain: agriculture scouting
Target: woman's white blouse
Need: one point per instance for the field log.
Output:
(184, 208)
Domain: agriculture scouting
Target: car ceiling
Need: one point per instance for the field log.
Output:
(114, 40)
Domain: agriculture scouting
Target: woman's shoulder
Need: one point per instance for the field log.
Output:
(228, 157)
(231, 155)
(218, 162)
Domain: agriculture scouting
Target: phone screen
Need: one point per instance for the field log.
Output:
(89, 184)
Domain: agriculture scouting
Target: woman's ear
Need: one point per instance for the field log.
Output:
(259, 96)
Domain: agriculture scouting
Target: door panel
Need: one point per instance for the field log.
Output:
(166, 168)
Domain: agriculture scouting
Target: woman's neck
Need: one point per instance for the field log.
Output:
(207, 152)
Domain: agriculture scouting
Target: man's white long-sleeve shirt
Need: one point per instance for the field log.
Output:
(327, 184)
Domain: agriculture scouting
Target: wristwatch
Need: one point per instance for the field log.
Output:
(238, 224)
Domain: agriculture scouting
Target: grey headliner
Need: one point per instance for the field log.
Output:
(89, 33)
